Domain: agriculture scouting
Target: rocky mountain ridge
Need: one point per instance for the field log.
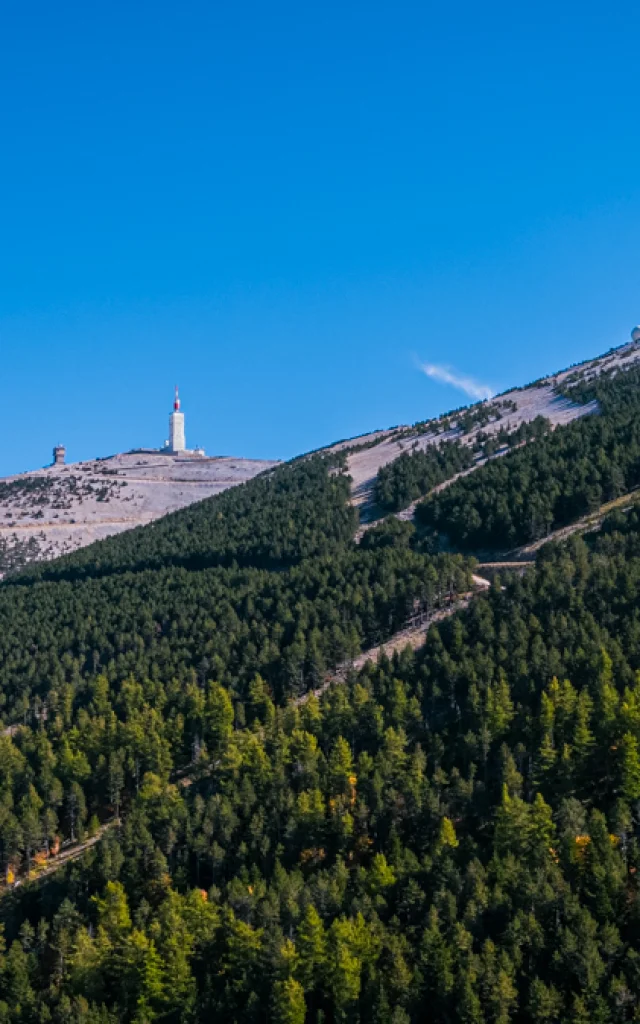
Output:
(57, 509)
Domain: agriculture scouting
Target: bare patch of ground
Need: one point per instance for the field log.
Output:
(621, 358)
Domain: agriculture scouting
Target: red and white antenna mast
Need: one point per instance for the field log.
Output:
(176, 403)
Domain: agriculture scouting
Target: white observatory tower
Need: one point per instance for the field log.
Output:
(176, 427)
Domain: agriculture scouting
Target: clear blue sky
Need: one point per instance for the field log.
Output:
(283, 206)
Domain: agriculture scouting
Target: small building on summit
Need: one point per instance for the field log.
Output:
(59, 453)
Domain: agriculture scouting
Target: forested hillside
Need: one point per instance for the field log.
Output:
(55, 510)
(450, 836)
(275, 520)
(564, 475)
(416, 473)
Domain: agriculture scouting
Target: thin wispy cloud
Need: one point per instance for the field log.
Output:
(446, 375)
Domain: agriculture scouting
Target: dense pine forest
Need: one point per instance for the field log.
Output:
(417, 472)
(449, 835)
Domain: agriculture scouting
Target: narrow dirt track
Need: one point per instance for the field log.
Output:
(68, 525)
(522, 564)
(412, 636)
(66, 856)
